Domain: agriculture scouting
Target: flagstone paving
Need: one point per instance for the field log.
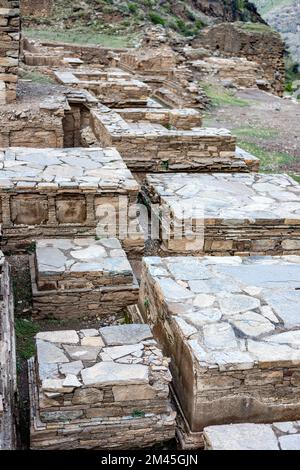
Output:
(232, 328)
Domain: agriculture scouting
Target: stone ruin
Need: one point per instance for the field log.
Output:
(258, 44)
(156, 140)
(252, 214)
(231, 72)
(9, 50)
(229, 323)
(60, 193)
(80, 278)
(99, 389)
(231, 328)
(8, 378)
(112, 86)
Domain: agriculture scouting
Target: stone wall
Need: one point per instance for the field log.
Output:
(62, 199)
(111, 87)
(258, 44)
(37, 8)
(9, 49)
(149, 146)
(238, 72)
(79, 279)
(8, 383)
(231, 327)
(89, 54)
(249, 215)
(115, 397)
(31, 129)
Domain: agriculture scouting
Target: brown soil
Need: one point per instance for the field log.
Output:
(265, 111)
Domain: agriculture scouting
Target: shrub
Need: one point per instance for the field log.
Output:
(132, 7)
(156, 19)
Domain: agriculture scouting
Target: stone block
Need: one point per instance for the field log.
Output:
(226, 214)
(95, 402)
(81, 276)
(231, 327)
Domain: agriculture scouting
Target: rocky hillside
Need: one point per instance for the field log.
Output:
(284, 16)
(185, 16)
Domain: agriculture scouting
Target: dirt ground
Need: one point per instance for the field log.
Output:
(266, 122)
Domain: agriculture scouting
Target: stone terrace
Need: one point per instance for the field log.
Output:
(60, 192)
(232, 328)
(103, 389)
(159, 140)
(113, 87)
(227, 213)
(249, 436)
(8, 381)
(81, 278)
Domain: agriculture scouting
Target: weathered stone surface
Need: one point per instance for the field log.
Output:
(8, 376)
(81, 278)
(125, 334)
(67, 192)
(65, 336)
(122, 401)
(254, 214)
(83, 353)
(237, 359)
(107, 373)
(241, 437)
(133, 392)
(49, 353)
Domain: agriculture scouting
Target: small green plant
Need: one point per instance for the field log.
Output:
(31, 248)
(133, 7)
(146, 303)
(165, 165)
(138, 414)
(25, 333)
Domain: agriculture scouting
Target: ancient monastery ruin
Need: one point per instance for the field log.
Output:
(210, 351)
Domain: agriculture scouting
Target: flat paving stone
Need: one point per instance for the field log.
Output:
(125, 334)
(227, 214)
(241, 437)
(108, 373)
(241, 343)
(65, 166)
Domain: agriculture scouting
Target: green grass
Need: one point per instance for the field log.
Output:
(255, 27)
(26, 330)
(258, 133)
(36, 77)
(219, 96)
(25, 333)
(78, 36)
(270, 161)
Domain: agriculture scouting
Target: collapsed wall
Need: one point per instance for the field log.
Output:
(9, 49)
(259, 44)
